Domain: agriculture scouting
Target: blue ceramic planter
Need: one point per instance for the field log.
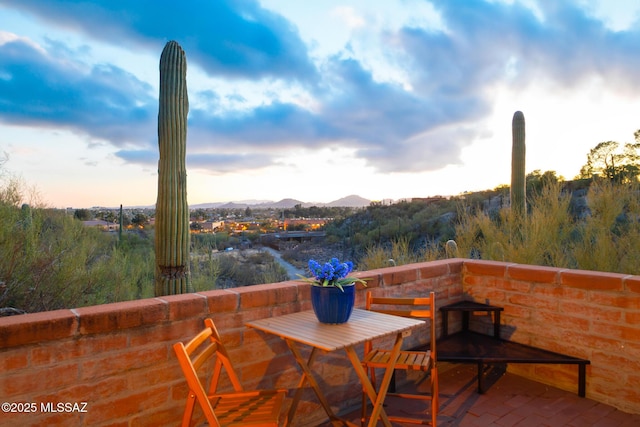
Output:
(331, 305)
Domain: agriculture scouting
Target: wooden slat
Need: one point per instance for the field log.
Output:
(363, 325)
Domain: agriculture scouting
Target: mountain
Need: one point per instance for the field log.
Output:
(352, 201)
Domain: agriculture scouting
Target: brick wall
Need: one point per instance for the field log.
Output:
(117, 358)
(586, 314)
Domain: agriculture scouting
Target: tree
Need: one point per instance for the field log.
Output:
(537, 180)
(140, 219)
(83, 214)
(610, 161)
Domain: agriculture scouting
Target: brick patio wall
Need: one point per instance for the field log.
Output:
(586, 314)
(113, 365)
(117, 358)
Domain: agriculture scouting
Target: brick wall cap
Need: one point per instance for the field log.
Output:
(37, 327)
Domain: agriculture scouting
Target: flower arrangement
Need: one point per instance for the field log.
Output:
(333, 273)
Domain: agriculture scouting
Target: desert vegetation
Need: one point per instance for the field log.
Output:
(50, 260)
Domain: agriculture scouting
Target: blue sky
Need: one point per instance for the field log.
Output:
(311, 100)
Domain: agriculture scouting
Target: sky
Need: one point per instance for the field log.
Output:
(313, 100)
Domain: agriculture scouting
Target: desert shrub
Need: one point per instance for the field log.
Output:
(399, 252)
(55, 262)
(607, 239)
(237, 268)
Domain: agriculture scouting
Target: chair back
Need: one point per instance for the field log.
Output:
(414, 307)
(203, 348)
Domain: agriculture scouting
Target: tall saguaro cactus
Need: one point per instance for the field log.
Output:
(518, 152)
(172, 211)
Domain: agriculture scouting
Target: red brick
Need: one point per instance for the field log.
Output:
(615, 359)
(485, 268)
(114, 363)
(226, 321)
(615, 299)
(185, 306)
(625, 333)
(533, 273)
(548, 290)
(165, 333)
(267, 295)
(122, 315)
(85, 392)
(399, 275)
(533, 301)
(258, 346)
(591, 280)
(591, 311)
(128, 405)
(255, 374)
(221, 301)
(295, 307)
(13, 359)
(575, 293)
(60, 351)
(515, 311)
(151, 376)
(632, 318)
(433, 269)
(632, 284)
(30, 380)
(156, 418)
(547, 319)
(37, 327)
(587, 340)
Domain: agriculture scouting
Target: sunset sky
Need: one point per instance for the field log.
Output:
(312, 100)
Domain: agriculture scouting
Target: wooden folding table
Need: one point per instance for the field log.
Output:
(304, 328)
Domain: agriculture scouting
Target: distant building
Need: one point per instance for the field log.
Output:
(211, 226)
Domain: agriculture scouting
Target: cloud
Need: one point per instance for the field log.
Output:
(210, 163)
(105, 102)
(225, 37)
(420, 123)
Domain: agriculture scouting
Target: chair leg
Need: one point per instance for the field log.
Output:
(188, 410)
(435, 399)
(363, 413)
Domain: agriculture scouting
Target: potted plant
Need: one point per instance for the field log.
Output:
(332, 291)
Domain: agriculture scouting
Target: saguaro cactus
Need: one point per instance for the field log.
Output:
(518, 152)
(172, 211)
(451, 249)
(120, 226)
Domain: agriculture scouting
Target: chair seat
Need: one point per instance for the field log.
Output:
(249, 408)
(409, 360)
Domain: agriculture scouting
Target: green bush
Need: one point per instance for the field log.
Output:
(56, 263)
(606, 238)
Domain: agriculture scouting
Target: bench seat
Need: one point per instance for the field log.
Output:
(473, 347)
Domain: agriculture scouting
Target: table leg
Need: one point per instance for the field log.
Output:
(377, 399)
(307, 376)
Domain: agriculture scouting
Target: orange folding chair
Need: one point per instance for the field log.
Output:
(425, 361)
(238, 408)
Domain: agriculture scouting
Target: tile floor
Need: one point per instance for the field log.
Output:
(510, 400)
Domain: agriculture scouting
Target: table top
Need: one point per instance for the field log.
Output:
(363, 325)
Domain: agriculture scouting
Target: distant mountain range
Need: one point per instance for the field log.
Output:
(352, 201)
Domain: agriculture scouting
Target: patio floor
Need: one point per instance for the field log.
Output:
(510, 400)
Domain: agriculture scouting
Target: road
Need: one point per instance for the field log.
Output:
(292, 271)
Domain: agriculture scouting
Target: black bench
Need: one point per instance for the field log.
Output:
(472, 347)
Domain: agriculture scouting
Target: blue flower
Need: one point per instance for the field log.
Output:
(332, 273)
